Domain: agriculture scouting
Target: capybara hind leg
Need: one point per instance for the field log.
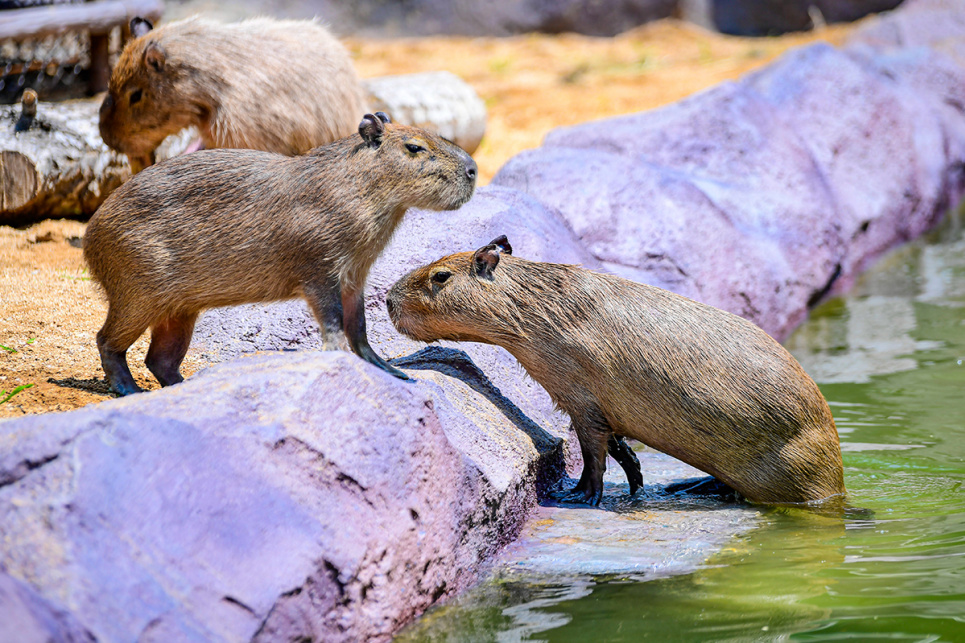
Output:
(170, 339)
(628, 461)
(113, 340)
(594, 434)
(325, 301)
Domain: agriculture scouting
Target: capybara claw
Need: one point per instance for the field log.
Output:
(391, 370)
(122, 391)
(577, 496)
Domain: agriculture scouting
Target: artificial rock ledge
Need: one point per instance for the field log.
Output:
(272, 498)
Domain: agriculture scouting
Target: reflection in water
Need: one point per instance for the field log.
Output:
(890, 358)
(871, 337)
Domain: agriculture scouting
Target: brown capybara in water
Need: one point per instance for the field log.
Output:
(227, 227)
(284, 86)
(705, 386)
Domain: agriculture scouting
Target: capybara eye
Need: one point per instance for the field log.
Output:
(415, 149)
(136, 96)
(441, 277)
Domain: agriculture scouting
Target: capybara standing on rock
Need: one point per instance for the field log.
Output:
(227, 227)
(283, 86)
(703, 385)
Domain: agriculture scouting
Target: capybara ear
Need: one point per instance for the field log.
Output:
(140, 26)
(502, 243)
(383, 117)
(486, 259)
(371, 130)
(154, 57)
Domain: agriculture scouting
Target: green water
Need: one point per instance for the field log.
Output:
(890, 358)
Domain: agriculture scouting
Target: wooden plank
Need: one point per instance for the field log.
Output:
(98, 17)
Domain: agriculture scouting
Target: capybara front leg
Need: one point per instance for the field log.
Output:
(628, 461)
(170, 339)
(593, 433)
(113, 340)
(353, 317)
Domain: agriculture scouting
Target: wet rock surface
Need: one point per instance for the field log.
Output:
(652, 534)
(307, 494)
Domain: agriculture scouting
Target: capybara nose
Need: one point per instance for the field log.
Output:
(471, 169)
(389, 305)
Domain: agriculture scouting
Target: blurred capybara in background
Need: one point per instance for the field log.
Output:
(283, 86)
(705, 386)
(227, 227)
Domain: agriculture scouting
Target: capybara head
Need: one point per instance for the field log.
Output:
(432, 172)
(149, 96)
(462, 297)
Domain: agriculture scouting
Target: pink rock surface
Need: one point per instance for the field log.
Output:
(765, 194)
(271, 498)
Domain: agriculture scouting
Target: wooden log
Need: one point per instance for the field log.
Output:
(97, 17)
(100, 68)
(60, 167)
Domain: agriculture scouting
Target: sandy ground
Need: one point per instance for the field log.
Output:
(50, 310)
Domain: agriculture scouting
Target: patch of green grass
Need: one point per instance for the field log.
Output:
(6, 396)
(500, 65)
(65, 276)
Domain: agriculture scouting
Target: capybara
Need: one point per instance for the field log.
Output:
(703, 385)
(284, 86)
(226, 227)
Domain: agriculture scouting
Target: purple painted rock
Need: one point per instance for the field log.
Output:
(25, 617)
(761, 194)
(938, 24)
(273, 498)
(710, 198)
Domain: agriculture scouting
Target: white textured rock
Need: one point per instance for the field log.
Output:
(438, 101)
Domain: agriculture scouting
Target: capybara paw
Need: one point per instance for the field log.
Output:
(577, 496)
(391, 370)
(129, 389)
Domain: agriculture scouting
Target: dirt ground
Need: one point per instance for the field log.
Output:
(50, 310)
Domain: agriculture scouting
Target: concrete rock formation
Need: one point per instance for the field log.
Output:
(204, 514)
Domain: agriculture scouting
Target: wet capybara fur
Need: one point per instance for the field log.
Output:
(284, 86)
(626, 359)
(227, 227)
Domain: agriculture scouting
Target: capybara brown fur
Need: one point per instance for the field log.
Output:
(227, 227)
(284, 86)
(705, 386)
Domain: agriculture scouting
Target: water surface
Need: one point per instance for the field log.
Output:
(890, 358)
